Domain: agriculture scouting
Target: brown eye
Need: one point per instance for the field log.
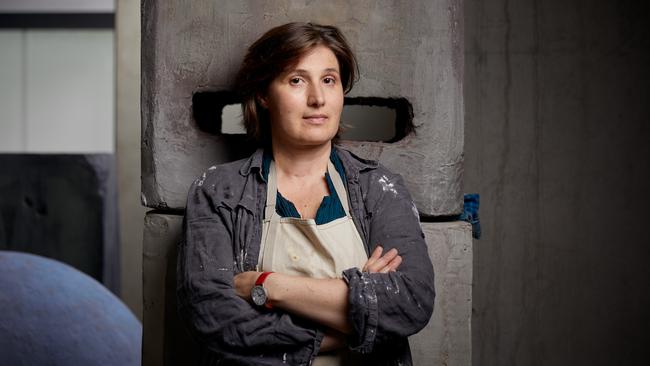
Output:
(329, 80)
(295, 81)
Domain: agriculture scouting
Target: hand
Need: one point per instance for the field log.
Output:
(389, 262)
(244, 283)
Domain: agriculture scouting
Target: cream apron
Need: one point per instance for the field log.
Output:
(300, 247)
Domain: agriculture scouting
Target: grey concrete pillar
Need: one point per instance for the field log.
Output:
(407, 49)
(447, 339)
(165, 340)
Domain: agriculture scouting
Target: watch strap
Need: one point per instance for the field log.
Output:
(260, 280)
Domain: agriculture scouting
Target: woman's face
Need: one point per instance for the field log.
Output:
(305, 102)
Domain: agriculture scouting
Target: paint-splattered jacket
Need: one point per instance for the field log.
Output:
(222, 235)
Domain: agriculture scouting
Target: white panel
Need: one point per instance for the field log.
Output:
(70, 91)
(231, 119)
(57, 6)
(11, 91)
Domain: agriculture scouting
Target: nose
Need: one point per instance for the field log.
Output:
(316, 97)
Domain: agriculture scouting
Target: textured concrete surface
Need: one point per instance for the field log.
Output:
(445, 341)
(62, 207)
(409, 49)
(557, 139)
(53, 314)
(165, 340)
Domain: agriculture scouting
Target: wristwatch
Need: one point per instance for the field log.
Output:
(259, 294)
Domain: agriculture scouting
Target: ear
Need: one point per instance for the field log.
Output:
(263, 101)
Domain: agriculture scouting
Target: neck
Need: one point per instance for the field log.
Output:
(304, 162)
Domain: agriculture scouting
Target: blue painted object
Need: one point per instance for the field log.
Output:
(52, 314)
(470, 213)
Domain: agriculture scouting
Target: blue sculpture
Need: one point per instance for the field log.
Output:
(52, 314)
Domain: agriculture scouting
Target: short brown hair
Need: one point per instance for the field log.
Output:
(277, 50)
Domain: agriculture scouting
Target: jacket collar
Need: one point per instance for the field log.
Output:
(253, 162)
(353, 164)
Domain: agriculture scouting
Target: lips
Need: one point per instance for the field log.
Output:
(316, 118)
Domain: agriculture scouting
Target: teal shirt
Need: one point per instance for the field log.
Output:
(330, 208)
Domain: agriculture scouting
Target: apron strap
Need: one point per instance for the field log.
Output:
(339, 187)
(271, 193)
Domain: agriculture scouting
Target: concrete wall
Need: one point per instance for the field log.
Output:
(127, 153)
(557, 143)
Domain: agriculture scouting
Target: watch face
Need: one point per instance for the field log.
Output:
(258, 294)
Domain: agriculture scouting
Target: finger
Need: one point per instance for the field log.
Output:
(386, 258)
(376, 254)
(395, 263)
(380, 263)
(391, 254)
(392, 265)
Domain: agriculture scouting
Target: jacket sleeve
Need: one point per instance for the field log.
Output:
(221, 320)
(386, 306)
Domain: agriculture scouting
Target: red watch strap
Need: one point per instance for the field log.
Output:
(260, 280)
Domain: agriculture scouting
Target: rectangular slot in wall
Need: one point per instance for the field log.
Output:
(363, 118)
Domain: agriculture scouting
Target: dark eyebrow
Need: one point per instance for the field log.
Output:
(304, 72)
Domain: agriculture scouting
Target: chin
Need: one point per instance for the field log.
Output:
(314, 138)
(314, 143)
(321, 140)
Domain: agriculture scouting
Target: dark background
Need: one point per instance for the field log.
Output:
(557, 140)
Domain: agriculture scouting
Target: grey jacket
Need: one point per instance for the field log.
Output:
(222, 236)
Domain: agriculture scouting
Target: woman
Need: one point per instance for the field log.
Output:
(303, 253)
